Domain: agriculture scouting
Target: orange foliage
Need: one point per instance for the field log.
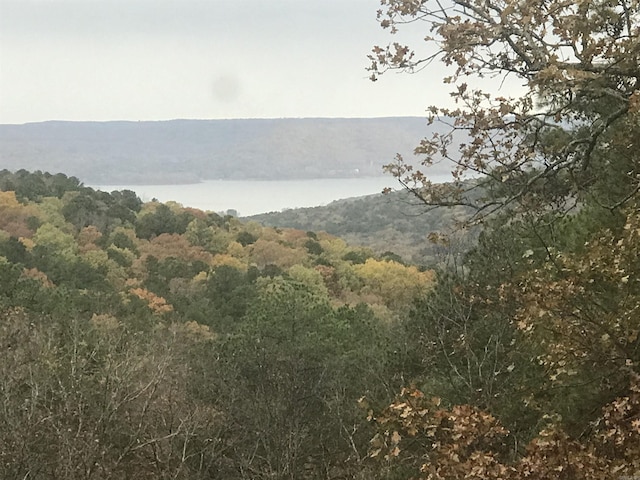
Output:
(194, 331)
(156, 304)
(294, 237)
(87, 238)
(199, 214)
(330, 277)
(174, 245)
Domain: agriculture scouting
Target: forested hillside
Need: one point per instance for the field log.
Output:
(395, 222)
(189, 151)
(156, 341)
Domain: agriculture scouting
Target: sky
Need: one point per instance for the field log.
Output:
(164, 59)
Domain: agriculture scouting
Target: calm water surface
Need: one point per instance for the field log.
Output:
(252, 197)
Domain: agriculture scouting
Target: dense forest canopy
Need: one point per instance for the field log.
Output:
(157, 341)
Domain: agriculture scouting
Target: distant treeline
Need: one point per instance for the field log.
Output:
(188, 151)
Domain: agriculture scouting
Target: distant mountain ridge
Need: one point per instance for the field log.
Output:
(188, 151)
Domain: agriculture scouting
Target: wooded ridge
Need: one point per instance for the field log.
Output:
(189, 151)
(394, 222)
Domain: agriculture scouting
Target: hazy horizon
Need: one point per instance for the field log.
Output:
(118, 120)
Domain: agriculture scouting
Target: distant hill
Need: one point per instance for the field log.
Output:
(394, 222)
(188, 151)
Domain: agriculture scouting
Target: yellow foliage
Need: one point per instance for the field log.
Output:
(254, 228)
(228, 260)
(127, 232)
(27, 242)
(383, 313)
(310, 277)
(235, 249)
(125, 253)
(265, 252)
(132, 282)
(395, 283)
(266, 233)
(8, 200)
(96, 258)
(201, 277)
(333, 247)
(116, 274)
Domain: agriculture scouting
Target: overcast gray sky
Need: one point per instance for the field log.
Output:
(165, 59)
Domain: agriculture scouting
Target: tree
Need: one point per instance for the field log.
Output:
(91, 398)
(418, 433)
(158, 218)
(540, 312)
(231, 292)
(53, 239)
(581, 307)
(548, 147)
(246, 238)
(268, 252)
(396, 284)
(294, 369)
(14, 215)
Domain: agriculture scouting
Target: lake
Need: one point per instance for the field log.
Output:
(251, 197)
